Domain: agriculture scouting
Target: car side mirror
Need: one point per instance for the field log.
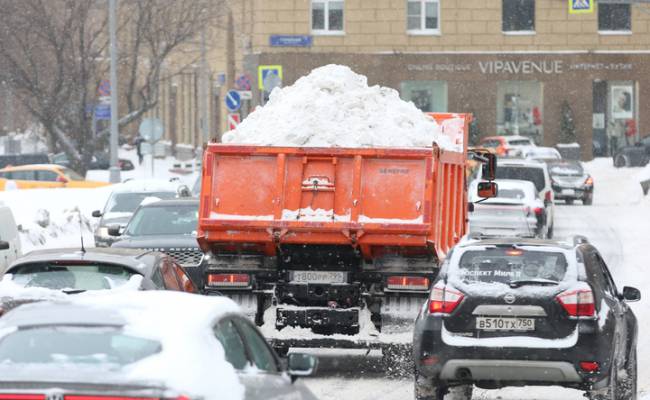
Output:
(489, 168)
(97, 214)
(631, 294)
(114, 230)
(4, 245)
(487, 190)
(300, 364)
(61, 179)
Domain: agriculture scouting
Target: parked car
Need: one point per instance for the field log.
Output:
(124, 200)
(570, 182)
(142, 345)
(66, 271)
(539, 153)
(516, 211)
(168, 226)
(537, 173)
(633, 156)
(10, 247)
(504, 145)
(516, 312)
(13, 160)
(43, 176)
(100, 160)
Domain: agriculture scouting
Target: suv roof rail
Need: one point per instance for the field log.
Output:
(579, 239)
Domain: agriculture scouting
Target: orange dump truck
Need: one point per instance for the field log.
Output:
(335, 240)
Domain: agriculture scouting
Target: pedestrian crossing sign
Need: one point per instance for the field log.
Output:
(581, 6)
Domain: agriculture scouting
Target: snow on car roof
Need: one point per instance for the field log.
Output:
(182, 323)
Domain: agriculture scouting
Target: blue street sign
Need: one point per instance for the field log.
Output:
(233, 100)
(103, 111)
(290, 40)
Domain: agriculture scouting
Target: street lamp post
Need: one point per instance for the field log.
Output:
(114, 170)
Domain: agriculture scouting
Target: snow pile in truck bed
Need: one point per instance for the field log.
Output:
(334, 106)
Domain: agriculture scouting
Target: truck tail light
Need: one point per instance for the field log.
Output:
(444, 300)
(407, 283)
(578, 303)
(229, 280)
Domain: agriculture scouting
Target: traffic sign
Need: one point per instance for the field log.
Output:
(244, 82)
(233, 121)
(151, 129)
(581, 6)
(246, 94)
(104, 89)
(269, 77)
(233, 100)
(102, 111)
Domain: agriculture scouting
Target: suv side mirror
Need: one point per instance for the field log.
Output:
(114, 230)
(96, 214)
(489, 168)
(631, 294)
(487, 190)
(301, 365)
(4, 245)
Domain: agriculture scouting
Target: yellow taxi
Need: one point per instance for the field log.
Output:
(43, 176)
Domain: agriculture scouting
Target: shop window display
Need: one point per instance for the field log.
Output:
(428, 96)
(520, 109)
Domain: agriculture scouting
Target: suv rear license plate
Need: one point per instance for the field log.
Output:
(568, 192)
(319, 276)
(505, 324)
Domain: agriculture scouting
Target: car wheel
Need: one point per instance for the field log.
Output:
(626, 389)
(608, 393)
(428, 389)
(588, 200)
(569, 201)
(621, 160)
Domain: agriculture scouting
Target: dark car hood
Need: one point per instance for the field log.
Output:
(158, 242)
(77, 377)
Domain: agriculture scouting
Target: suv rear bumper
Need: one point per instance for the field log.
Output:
(509, 370)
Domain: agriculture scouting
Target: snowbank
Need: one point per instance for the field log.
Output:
(334, 106)
(186, 337)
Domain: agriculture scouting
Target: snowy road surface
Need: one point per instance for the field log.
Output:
(617, 208)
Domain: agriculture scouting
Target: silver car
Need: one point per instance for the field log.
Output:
(145, 345)
(516, 211)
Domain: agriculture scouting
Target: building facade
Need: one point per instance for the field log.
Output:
(512, 63)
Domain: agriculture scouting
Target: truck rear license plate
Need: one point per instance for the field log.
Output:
(505, 324)
(319, 276)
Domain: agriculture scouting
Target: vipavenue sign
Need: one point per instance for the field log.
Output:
(521, 67)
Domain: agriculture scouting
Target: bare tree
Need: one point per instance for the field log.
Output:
(53, 54)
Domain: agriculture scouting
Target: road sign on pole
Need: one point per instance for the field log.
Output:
(103, 112)
(104, 89)
(244, 82)
(269, 77)
(233, 100)
(581, 6)
(233, 121)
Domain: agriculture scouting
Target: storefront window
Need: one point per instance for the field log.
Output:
(621, 115)
(520, 109)
(428, 96)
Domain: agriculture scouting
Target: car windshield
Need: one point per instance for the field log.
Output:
(128, 202)
(164, 220)
(565, 169)
(530, 174)
(72, 277)
(75, 345)
(71, 174)
(520, 142)
(508, 265)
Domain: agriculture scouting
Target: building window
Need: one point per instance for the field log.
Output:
(428, 96)
(614, 17)
(520, 109)
(518, 16)
(327, 16)
(423, 16)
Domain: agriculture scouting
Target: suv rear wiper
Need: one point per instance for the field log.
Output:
(543, 282)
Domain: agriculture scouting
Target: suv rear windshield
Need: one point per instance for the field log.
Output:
(164, 220)
(72, 277)
(565, 169)
(522, 173)
(516, 194)
(520, 142)
(128, 202)
(507, 265)
(75, 345)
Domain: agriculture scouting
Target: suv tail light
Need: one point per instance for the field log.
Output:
(407, 283)
(549, 195)
(229, 280)
(22, 396)
(578, 303)
(444, 300)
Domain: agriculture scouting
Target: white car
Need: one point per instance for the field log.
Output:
(10, 248)
(146, 345)
(540, 153)
(516, 211)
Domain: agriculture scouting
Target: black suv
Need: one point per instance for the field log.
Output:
(510, 312)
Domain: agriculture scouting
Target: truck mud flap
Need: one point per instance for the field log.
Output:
(399, 311)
